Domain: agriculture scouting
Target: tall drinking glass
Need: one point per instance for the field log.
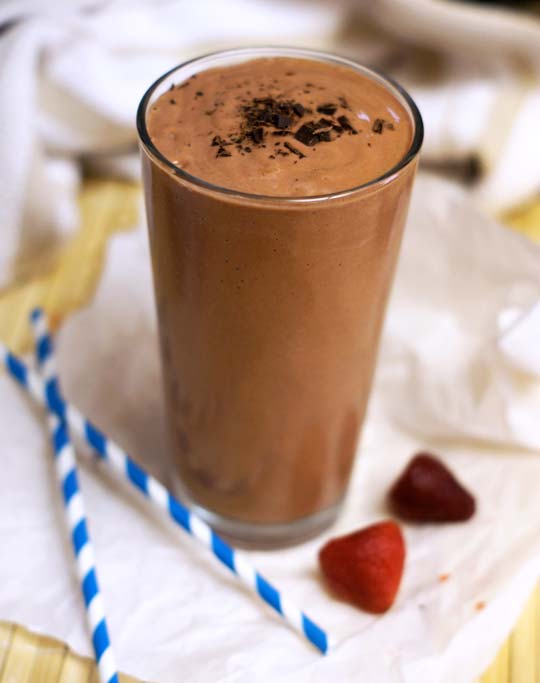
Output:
(270, 310)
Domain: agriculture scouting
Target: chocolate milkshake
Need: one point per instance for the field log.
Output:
(277, 185)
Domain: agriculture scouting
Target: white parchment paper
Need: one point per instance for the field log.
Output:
(444, 382)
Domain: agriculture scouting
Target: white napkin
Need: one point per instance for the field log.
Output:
(71, 77)
(173, 611)
(72, 74)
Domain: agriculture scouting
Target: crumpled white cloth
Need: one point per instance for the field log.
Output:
(71, 77)
(474, 373)
(174, 613)
(72, 74)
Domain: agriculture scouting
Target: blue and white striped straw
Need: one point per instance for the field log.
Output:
(66, 472)
(48, 395)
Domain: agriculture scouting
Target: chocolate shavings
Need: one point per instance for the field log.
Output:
(380, 124)
(346, 124)
(281, 117)
(306, 135)
(218, 141)
(294, 150)
(329, 109)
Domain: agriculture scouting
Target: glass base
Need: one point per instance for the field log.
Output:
(259, 536)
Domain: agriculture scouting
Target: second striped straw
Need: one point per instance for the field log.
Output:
(66, 472)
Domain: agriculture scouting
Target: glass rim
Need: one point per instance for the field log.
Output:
(277, 51)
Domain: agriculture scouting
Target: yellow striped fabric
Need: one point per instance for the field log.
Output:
(26, 657)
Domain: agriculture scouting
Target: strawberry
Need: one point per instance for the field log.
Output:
(427, 491)
(365, 567)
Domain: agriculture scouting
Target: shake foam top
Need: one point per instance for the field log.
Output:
(281, 127)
